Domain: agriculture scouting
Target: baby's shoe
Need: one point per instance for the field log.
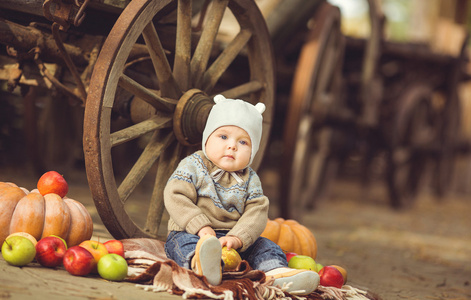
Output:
(207, 259)
(303, 282)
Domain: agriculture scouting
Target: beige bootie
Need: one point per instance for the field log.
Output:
(207, 259)
(302, 282)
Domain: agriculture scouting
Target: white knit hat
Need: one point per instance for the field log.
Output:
(238, 113)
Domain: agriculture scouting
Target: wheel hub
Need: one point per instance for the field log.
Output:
(190, 116)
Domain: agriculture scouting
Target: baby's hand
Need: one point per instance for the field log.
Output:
(206, 230)
(230, 242)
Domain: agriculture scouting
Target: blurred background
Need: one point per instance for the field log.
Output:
(396, 53)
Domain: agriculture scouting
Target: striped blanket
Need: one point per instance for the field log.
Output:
(152, 271)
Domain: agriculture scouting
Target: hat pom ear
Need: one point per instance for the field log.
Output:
(219, 98)
(260, 107)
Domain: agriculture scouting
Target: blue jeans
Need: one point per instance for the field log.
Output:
(262, 255)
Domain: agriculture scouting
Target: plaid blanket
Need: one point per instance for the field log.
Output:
(151, 270)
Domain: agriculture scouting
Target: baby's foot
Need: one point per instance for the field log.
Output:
(303, 282)
(207, 259)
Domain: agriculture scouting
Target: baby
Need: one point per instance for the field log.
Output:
(215, 199)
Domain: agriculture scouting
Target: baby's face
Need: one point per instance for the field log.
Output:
(230, 148)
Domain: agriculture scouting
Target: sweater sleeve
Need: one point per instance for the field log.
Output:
(254, 219)
(180, 200)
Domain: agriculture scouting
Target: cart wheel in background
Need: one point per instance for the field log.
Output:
(315, 93)
(450, 135)
(414, 133)
(170, 65)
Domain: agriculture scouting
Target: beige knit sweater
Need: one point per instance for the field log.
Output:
(194, 200)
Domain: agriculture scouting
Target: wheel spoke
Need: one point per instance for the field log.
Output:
(168, 85)
(150, 154)
(330, 59)
(220, 65)
(317, 160)
(167, 164)
(202, 15)
(181, 67)
(138, 130)
(145, 94)
(243, 89)
(300, 157)
(138, 51)
(208, 36)
(313, 169)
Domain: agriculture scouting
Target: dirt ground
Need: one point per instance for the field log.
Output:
(420, 253)
(423, 252)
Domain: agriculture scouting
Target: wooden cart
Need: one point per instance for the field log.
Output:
(150, 92)
(369, 97)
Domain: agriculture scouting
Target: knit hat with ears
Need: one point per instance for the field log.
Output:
(239, 113)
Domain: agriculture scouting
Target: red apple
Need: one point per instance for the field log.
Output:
(97, 249)
(78, 261)
(50, 251)
(343, 272)
(331, 276)
(289, 255)
(52, 182)
(114, 246)
(65, 243)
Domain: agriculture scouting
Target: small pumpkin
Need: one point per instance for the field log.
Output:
(291, 236)
(41, 216)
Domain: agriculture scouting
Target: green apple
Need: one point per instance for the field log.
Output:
(18, 250)
(112, 267)
(302, 262)
(318, 267)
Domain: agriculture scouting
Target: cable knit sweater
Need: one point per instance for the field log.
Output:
(194, 200)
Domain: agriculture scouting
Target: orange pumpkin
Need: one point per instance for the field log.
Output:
(291, 237)
(41, 216)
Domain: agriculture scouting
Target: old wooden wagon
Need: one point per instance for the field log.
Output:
(369, 97)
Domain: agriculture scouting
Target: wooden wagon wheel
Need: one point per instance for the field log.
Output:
(188, 66)
(314, 93)
(414, 133)
(450, 121)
